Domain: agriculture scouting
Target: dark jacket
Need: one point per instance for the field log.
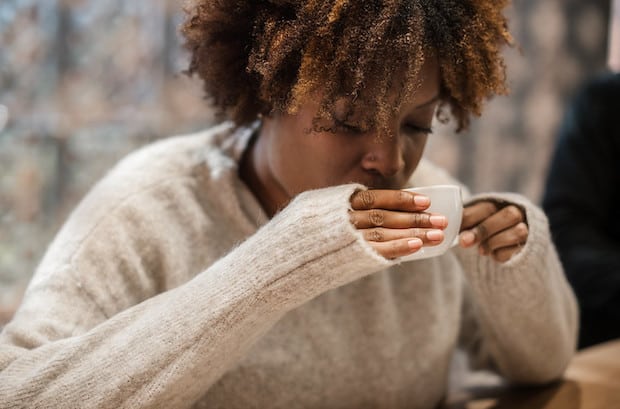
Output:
(582, 200)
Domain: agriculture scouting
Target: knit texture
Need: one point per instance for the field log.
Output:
(168, 287)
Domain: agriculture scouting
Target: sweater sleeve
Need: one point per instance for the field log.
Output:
(520, 317)
(64, 350)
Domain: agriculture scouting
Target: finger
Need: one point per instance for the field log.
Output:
(513, 236)
(476, 213)
(506, 217)
(397, 248)
(506, 253)
(380, 234)
(364, 219)
(389, 200)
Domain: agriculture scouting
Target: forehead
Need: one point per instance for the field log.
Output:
(427, 85)
(424, 87)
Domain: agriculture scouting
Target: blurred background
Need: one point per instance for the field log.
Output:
(82, 83)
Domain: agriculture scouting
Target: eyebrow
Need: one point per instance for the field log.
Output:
(429, 102)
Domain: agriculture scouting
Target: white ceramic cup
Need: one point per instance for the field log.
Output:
(446, 200)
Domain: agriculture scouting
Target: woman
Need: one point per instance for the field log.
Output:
(256, 264)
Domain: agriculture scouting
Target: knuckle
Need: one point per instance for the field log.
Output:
(403, 197)
(367, 197)
(395, 248)
(482, 232)
(376, 217)
(513, 213)
(501, 256)
(491, 207)
(418, 219)
(376, 235)
(522, 231)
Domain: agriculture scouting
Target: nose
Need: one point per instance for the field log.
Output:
(384, 155)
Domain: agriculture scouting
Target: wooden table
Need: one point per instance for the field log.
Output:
(592, 381)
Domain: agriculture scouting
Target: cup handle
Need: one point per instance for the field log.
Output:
(455, 242)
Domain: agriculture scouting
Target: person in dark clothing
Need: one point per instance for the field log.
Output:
(581, 199)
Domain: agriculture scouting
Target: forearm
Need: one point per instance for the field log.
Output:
(168, 350)
(163, 350)
(526, 314)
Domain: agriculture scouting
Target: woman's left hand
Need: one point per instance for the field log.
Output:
(500, 231)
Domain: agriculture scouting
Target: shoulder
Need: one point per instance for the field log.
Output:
(148, 188)
(171, 157)
(170, 162)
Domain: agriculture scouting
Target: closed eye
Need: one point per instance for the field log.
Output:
(414, 129)
(348, 127)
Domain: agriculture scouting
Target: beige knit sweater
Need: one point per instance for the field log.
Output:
(168, 287)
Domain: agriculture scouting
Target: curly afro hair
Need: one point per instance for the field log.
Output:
(262, 56)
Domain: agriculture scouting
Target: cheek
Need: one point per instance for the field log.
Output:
(414, 150)
(303, 164)
(327, 150)
(330, 161)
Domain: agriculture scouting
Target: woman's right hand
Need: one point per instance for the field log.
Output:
(394, 222)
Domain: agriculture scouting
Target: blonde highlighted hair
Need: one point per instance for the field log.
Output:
(260, 56)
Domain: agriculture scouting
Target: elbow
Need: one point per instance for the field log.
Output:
(542, 377)
(543, 369)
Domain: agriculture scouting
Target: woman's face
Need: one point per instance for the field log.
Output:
(288, 158)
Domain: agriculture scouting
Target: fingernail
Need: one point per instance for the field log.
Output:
(438, 221)
(434, 235)
(421, 200)
(467, 237)
(415, 243)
